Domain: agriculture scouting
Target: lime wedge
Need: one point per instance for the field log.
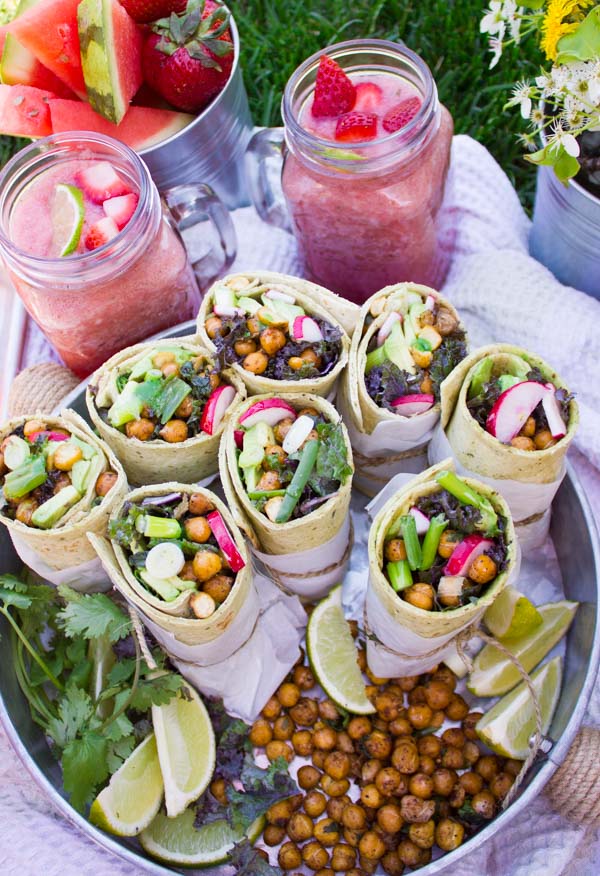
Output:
(186, 749)
(132, 798)
(511, 615)
(493, 673)
(67, 214)
(508, 726)
(177, 841)
(332, 655)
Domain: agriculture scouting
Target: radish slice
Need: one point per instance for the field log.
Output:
(16, 452)
(465, 552)
(165, 560)
(429, 302)
(214, 410)
(386, 329)
(51, 436)
(275, 294)
(510, 412)
(225, 541)
(304, 328)
(409, 405)
(422, 520)
(298, 433)
(269, 411)
(238, 437)
(556, 424)
(226, 310)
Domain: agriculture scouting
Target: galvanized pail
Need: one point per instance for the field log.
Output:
(566, 232)
(211, 149)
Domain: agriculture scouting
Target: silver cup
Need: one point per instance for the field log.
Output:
(211, 149)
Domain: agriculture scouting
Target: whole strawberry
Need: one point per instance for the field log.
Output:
(188, 58)
(143, 11)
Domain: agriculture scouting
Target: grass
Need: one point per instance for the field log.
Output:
(278, 34)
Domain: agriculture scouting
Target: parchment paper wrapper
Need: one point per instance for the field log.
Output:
(376, 432)
(63, 554)
(316, 301)
(152, 462)
(527, 479)
(403, 639)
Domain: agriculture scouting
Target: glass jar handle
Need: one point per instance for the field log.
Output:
(264, 162)
(191, 205)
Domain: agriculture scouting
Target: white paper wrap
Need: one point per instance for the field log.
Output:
(88, 577)
(389, 437)
(525, 500)
(262, 645)
(313, 584)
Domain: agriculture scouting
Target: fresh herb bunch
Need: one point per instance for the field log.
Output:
(89, 699)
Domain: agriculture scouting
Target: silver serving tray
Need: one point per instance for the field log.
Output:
(577, 546)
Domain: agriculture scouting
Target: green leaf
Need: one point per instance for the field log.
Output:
(119, 727)
(584, 43)
(92, 616)
(155, 691)
(85, 768)
(542, 156)
(11, 582)
(566, 166)
(11, 597)
(74, 712)
(247, 862)
(262, 788)
(122, 671)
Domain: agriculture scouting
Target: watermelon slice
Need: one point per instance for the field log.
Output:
(141, 127)
(24, 111)
(111, 56)
(49, 30)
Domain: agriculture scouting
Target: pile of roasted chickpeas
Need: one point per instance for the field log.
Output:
(381, 790)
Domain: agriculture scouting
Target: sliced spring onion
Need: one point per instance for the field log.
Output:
(158, 527)
(265, 494)
(431, 541)
(468, 496)
(408, 528)
(399, 574)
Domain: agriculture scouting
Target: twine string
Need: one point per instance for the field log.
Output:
(138, 631)
(362, 463)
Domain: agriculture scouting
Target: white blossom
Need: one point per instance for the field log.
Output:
(522, 95)
(537, 117)
(493, 21)
(560, 137)
(510, 14)
(496, 49)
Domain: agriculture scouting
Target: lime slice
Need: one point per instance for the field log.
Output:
(508, 726)
(67, 218)
(177, 841)
(132, 798)
(493, 673)
(511, 615)
(332, 655)
(186, 749)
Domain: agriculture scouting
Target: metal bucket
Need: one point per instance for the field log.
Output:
(566, 232)
(211, 149)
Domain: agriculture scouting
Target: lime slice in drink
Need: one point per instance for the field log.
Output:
(511, 615)
(186, 749)
(177, 841)
(332, 655)
(508, 726)
(494, 674)
(67, 214)
(132, 798)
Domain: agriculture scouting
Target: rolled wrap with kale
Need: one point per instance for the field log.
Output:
(408, 339)
(441, 549)
(278, 333)
(59, 482)
(286, 468)
(509, 419)
(162, 407)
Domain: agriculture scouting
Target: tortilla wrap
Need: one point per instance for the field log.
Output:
(478, 451)
(298, 535)
(175, 617)
(66, 545)
(150, 462)
(316, 301)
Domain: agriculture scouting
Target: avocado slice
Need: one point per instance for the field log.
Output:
(397, 349)
(80, 475)
(507, 380)
(411, 322)
(481, 375)
(256, 439)
(251, 477)
(375, 357)
(165, 587)
(50, 512)
(250, 305)
(284, 308)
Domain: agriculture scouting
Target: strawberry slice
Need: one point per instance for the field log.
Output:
(334, 92)
(401, 114)
(121, 208)
(101, 181)
(354, 127)
(368, 97)
(101, 232)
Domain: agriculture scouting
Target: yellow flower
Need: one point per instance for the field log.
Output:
(554, 25)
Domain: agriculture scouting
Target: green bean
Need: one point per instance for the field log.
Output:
(298, 482)
(408, 528)
(431, 541)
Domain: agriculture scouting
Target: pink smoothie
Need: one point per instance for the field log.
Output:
(360, 233)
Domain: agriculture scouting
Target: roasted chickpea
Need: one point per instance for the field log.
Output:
(449, 834)
(389, 818)
(30, 427)
(174, 432)
(335, 807)
(311, 357)
(414, 809)
(371, 846)
(354, 817)
(274, 456)
(378, 745)
(400, 727)
(344, 743)
(206, 564)
(278, 748)
(197, 529)
(213, 327)
(302, 743)
(487, 767)
(303, 678)
(457, 797)
(260, 733)
(280, 813)
(272, 340)
(202, 605)
(318, 758)
(327, 832)
(325, 738)
(388, 705)
(271, 709)
(282, 428)
(443, 673)
(420, 595)
(422, 835)
(358, 727)
(105, 483)
(453, 758)
(283, 728)
(392, 864)
(352, 837)
(308, 777)
(334, 787)
(185, 408)
(269, 481)
(315, 804)
(66, 455)
(471, 782)
(256, 363)
(471, 752)
(457, 708)
(405, 757)
(426, 385)
(273, 835)
(448, 542)
(328, 711)
(289, 856)
(395, 550)
(219, 587)
(421, 786)
(24, 511)
(444, 781)
(314, 855)
(469, 723)
(296, 363)
(343, 858)
(429, 745)
(369, 770)
(371, 796)
(484, 804)
(244, 347)
(543, 439)
(253, 326)
(520, 442)
(437, 694)
(288, 694)
(337, 765)
(300, 827)
(513, 767)
(200, 504)
(445, 322)
(482, 570)
(420, 716)
(501, 785)
(361, 659)
(388, 781)
(409, 853)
